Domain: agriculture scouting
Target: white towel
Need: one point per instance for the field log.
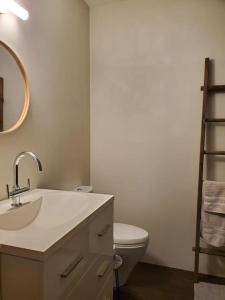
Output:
(209, 291)
(213, 213)
(214, 196)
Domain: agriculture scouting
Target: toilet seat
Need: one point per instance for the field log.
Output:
(124, 246)
(129, 236)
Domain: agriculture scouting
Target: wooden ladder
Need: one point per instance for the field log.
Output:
(207, 89)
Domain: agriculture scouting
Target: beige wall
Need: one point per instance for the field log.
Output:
(54, 47)
(147, 60)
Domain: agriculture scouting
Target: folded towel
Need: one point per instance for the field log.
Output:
(213, 213)
(213, 229)
(214, 196)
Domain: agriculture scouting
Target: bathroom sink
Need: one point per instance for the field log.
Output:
(54, 211)
(45, 217)
(18, 218)
(57, 210)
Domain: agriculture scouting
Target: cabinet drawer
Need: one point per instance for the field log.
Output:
(101, 232)
(93, 282)
(107, 291)
(68, 264)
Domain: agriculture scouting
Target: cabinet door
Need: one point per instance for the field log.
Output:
(20, 278)
(64, 269)
(107, 292)
(93, 282)
(101, 233)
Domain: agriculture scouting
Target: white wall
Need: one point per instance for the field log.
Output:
(147, 62)
(54, 48)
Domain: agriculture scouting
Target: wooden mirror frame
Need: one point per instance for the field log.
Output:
(26, 89)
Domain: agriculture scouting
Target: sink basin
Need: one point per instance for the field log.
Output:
(53, 212)
(58, 210)
(18, 218)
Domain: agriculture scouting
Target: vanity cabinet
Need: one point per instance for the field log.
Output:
(78, 267)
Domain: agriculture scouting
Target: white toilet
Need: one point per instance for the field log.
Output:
(130, 242)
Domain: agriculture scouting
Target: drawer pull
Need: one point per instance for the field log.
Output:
(102, 269)
(72, 267)
(104, 230)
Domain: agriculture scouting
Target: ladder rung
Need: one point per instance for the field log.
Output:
(214, 152)
(214, 120)
(211, 279)
(215, 88)
(208, 251)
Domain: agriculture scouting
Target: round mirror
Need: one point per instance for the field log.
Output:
(14, 90)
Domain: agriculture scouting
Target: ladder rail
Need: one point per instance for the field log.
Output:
(201, 168)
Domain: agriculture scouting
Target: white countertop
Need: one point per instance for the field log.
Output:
(48, 217)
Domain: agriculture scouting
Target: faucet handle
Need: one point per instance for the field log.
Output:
(12, 193)
(17, 190)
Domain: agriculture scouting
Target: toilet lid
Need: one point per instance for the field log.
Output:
(125, 234)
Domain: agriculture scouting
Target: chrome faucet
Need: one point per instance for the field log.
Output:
(16, 190)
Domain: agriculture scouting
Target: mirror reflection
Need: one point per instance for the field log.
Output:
(11, 90)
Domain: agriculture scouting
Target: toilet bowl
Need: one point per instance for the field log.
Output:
(130, 243)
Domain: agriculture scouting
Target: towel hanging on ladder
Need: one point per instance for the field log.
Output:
(213, 213)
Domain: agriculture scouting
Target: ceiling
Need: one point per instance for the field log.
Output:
(96, 2)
